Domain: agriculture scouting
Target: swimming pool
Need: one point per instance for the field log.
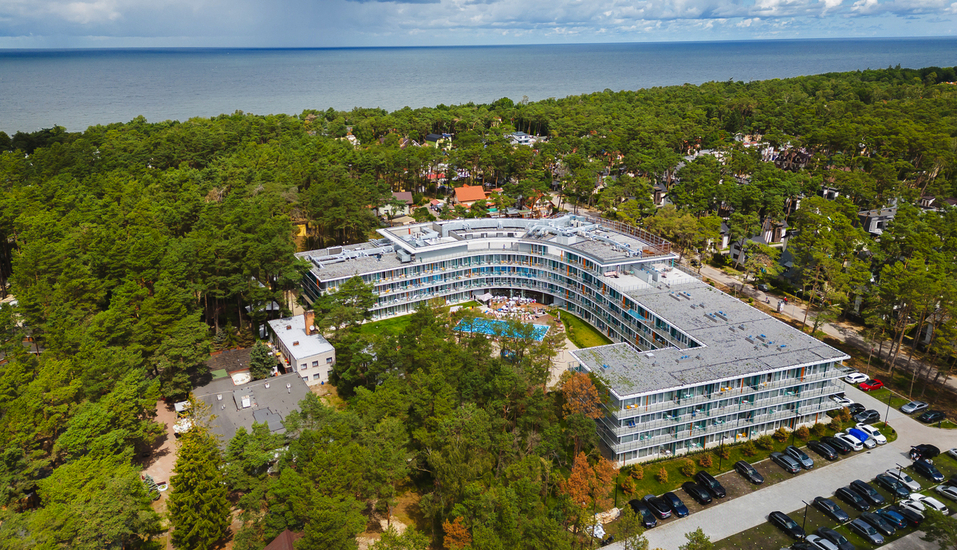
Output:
(493, 327)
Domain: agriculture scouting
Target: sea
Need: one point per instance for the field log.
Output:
(79, 88)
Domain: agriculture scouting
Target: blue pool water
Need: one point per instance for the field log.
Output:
(493, 327)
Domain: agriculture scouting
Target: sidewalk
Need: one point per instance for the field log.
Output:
(724, 519)
(842, 333)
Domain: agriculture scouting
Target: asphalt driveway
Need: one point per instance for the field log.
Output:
(727, 518)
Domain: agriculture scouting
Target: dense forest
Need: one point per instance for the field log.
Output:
(134, 249)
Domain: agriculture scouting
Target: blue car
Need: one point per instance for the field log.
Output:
(678, 508)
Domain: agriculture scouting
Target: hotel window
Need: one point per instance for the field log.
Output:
(316, 376)
(328, 360)
(315, 363)
(303, 366)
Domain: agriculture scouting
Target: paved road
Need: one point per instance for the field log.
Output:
(743, 513)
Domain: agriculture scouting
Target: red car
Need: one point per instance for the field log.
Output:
(871, 385)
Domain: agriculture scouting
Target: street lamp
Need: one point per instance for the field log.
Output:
(804, 524)
(720, 457)
(900, 470)
(888, 412)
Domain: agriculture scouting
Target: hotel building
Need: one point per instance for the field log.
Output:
(692, 367)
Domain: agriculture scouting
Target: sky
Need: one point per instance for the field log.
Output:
(357, 23)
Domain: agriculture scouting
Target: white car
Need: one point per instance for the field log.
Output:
(913, 506)
(855, 378)
(842, 401)
(820, 543)
(930, 502)
(948, 491)
(854, 442)
(873, 433)
(952, 452)
(904, 478)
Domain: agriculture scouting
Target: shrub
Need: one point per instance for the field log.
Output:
(845, 415)
(836, 424)
(749, 449)
(765, 442)
(706, 461)
(637, 472)
(687, 467)
(781, 434)
(819, 429)
(803, 433)
(629, 487)
(662, 475)
(724, 452)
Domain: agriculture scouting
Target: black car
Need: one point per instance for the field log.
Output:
(852, 498)
(658, 506)
(869, 493)
(711, 484)
(838, 539)
(748, 472)
(677, 507)
(855, 408)
(927, 470)
(840, 446)
(786, 462)
(641, 509)
(894, 518)
(923, 452)
(866, 530)
(879, 523)
(931, 416)
(912, 517)
(797, 454)
(893, 486)
(869, 416)
(822, 449)
(697, 492)
(786, 524)
(830, 508)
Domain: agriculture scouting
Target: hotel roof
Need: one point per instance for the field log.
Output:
(292, 332)
(736, 340)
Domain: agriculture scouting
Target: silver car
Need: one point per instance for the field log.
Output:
(913, 407)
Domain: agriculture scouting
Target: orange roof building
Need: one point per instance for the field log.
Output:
(468, 194)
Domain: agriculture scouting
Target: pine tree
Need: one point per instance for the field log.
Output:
(198, 506)
(260, 361)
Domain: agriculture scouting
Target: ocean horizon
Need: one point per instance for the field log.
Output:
(77, 88)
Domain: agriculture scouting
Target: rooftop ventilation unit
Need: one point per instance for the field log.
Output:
(750, 339)
(762, 337)
(722, 315)
(683, 358)
(741, 326)
(782, 346)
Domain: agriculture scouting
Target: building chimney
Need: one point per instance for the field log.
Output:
(309, 317)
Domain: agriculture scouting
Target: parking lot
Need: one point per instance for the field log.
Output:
(724, 519)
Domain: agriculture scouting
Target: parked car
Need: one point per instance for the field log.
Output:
(913, 518)
(863, 437)
(840, 446)
(841, 400)
(697, 492)
(892, 485)
(873, 433)
(948, 491)
(711, 484)
(822, 449)
(878, 522)
(677, 507)
(800, 456)
(852, 498)
(786, 524)
(866, 531)
(748, 472)
(789, 464)
(905, 479)
(763, 287)
(871, 385)
(893, 518)
(855, 378)
(930, 502)
(855, 408)
(913, 506)
(914, 407)
(658, 506)
(869, 416)
(820, 543)
(641, 509)
(927, 470)
(931, 416)
(853, 442)
(952, 452)
(869, 493)
(923, 451)
(835, 537)
(830, 508)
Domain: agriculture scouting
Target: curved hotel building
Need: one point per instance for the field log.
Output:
(692, 366)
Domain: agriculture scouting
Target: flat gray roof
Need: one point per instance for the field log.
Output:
(737, 340)
(241, 406)
(292, 332)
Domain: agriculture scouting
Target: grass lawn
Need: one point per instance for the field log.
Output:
(581, 333)
(398, 325)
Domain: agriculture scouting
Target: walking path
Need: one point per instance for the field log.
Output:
(731, 517)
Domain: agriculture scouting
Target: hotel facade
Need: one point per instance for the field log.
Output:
(692, 366)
